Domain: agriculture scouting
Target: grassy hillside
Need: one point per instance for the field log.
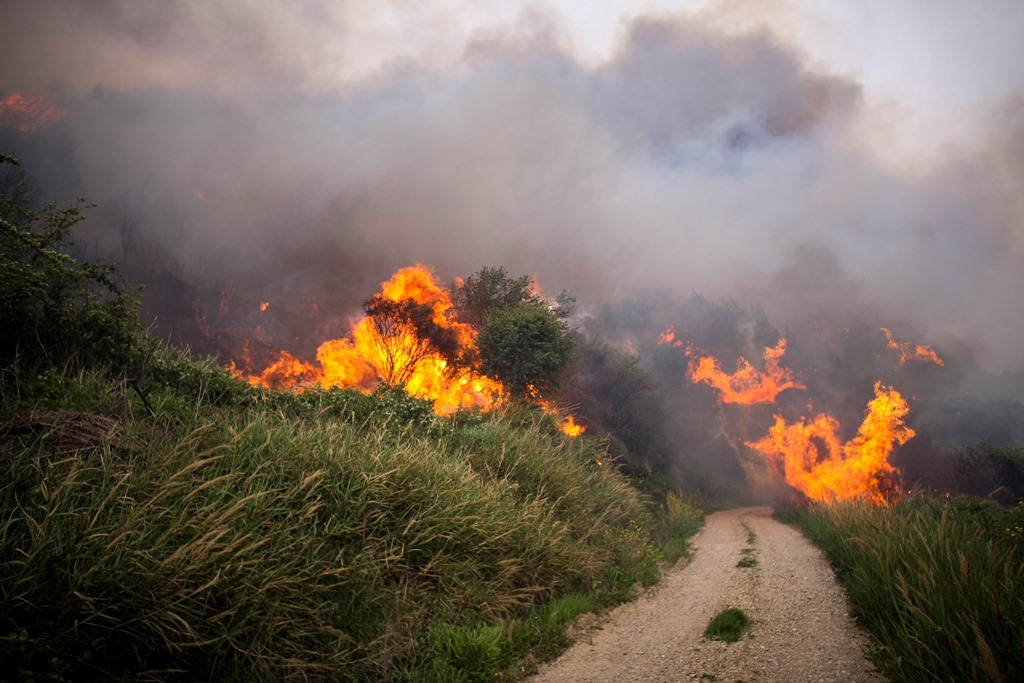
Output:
(255, 535)
(161, 520)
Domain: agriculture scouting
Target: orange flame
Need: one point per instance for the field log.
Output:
(668, 338)
(566, 422)
(747, 385)
(286, 372)
(29, 113)
(359, 362)
(909, 351)
(264, 305)
(815, 463)
(570, 428)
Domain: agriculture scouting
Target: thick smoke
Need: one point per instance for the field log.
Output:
(299, 153)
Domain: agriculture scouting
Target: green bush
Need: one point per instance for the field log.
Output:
(57, 311)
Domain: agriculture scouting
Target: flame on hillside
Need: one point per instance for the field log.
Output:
(909, 351)
(747, 385)
(29, 113)
(397, 356)
(566, 421)
(668, 338)
(823, 469)
(359, 361)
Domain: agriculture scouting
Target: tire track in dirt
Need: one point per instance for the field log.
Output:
(801, 629)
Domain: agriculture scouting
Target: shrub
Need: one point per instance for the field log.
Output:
(57, 310)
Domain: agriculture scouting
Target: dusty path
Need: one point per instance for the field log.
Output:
(801, 630)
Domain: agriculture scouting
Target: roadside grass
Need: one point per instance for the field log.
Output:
(250, 535)
(938, 582)
(681, 518)
(728, 625)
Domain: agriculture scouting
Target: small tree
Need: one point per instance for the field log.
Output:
(525, 347)
(487, 290)
(404, 334)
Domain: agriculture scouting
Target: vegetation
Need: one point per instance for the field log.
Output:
(269, 541)
(406, 333)
(487, 290)
(728, 625)
(523, 340)
(525, 347)
(938, 582)
(993, 472)
(54, 308)
(160, 519)
(747, 562)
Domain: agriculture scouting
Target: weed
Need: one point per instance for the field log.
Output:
(747, 562)
(728, 625)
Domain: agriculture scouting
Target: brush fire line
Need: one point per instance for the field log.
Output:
(396, 355)
(809, 452)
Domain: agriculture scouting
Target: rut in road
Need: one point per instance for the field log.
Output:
(801, 627)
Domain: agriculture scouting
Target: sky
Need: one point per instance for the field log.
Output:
(849, 162)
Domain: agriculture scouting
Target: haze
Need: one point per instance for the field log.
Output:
(858, 163)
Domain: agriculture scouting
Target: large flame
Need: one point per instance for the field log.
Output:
(817, 464)
(909, 351)
(747, 385)
(29, 113)
(360, 362)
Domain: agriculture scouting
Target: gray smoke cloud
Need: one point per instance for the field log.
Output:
(301, 152)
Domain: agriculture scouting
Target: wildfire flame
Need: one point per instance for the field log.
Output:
(817, 464)
(747, 385)
(29, 113)
(909, 351)
(360, 361)
(566, 422)
(668, 338)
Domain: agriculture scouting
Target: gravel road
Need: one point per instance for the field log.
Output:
(801, 629)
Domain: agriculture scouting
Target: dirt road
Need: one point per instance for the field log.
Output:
(801, 630)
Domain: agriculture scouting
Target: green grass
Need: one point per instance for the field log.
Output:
(747, 562)
(681, 518)
(264, 536)
(938, 583)
(728, 625)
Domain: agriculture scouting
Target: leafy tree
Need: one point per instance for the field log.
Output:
(489, 289)
(55, 309)
(405, 333)
(525, 347)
